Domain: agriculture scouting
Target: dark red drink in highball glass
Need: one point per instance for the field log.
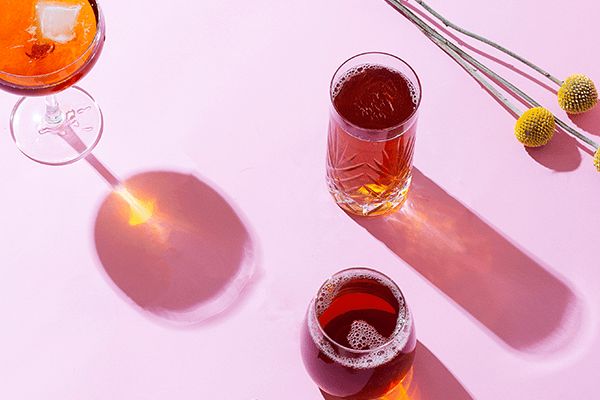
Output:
(358, 341)
(372, 127)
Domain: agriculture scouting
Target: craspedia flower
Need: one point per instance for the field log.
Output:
(535, 127)
(597, 159)
(577, 94)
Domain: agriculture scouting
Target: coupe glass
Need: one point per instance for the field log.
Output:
(48, 46)
(358, 340)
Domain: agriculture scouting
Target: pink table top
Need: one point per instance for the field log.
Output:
(219, 110)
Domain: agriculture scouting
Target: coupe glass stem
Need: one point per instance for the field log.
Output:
(53, 113)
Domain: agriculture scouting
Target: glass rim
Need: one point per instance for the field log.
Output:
(99, 35)
(397, 329)
(382, 130)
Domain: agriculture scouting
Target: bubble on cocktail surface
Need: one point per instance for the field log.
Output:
(363, 336)
(375, 349)
(57, 20)
(372, 96)
(366, 67)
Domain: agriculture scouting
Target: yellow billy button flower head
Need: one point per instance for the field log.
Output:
(535, 127)
(597, 159)
(577, 94)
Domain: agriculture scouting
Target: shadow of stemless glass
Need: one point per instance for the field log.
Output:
(429, 379)
(180, 251)
(513, 296)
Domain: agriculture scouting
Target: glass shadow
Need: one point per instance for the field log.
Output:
(429, 379)
(511, 294)
(588, 121)
(174, 247)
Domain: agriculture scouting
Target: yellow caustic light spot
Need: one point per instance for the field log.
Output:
(597, 159)
(535, 127)
(372, 189)
(405, 390)
(577, 94)
(139, 211)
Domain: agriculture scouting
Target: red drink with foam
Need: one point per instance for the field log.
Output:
(359, 340)
(372, 133)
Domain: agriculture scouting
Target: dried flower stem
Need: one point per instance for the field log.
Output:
(451, 49)
(487, 41)
(476, 75)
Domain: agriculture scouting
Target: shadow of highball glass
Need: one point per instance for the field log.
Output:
(507, 291)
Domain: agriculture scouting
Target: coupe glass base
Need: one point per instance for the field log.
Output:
(68, 139)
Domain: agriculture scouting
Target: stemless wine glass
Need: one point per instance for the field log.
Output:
(358, 340)
(46, 46)
(375, 98)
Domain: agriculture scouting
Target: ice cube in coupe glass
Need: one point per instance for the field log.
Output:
(57, 20)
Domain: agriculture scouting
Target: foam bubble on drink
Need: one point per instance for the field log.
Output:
(361, 68)
(363, 336)
(413, 93)
(57, 20)
(376, 349)
(347, 75)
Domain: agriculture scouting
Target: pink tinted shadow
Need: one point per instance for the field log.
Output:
(189, 262)
(588, 121)
(561, 154)
(430, 380)
(522, 304)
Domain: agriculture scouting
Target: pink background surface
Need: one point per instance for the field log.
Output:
(496, 252)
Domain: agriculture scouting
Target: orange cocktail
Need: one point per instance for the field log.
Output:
(45, 46)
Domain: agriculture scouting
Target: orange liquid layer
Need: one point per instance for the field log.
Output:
(25, 52)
